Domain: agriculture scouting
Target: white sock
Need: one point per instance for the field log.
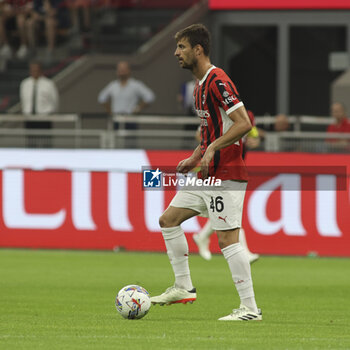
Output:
(240, 270)
(177, 249)
(206, 231)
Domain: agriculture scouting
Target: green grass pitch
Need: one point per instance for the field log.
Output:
(65, 300)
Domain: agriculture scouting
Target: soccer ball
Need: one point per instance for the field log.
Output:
(133, 302)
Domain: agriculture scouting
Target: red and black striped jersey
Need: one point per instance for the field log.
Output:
(215, 98)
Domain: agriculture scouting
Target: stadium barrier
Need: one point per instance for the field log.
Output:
(158, 132)
(94, 199)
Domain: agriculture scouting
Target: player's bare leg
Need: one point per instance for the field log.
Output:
(177, 249)
(241, 274)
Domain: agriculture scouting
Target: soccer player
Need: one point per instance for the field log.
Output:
(224, 121)
(202, 238)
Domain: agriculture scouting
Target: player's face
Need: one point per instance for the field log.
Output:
(185, 54)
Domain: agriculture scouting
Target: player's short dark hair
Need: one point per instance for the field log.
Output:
(196, 34)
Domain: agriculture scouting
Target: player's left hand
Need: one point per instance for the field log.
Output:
(205, 161)
(186, 165)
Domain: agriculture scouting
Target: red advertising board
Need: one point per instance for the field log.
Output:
(278, 5)
(95, 200)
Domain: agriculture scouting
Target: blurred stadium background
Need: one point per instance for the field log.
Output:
(83, 191)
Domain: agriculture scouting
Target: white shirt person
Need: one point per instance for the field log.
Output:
(125, 95)
(38, 94)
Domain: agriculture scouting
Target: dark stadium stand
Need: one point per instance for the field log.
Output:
(123, 30)
(118, 27)
(9, 82)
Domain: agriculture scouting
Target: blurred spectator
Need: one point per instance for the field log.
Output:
(281, 123)
(185, 98)
(186, 103)
(77, 8)
(341, 121)
(125, 95)
(18, 10)
(38, 95)
(341, 124)
(269, 134)
(53, 14)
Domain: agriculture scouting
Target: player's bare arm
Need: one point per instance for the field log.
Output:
(241, 126)
(189, 163)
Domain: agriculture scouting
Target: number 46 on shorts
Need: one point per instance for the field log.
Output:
(216, 204)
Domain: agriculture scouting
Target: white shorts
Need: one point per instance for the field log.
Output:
(224, 206)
